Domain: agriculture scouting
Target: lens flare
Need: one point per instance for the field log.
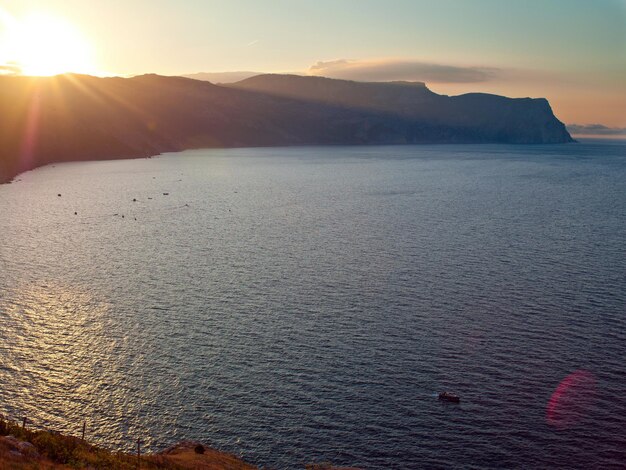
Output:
(571, 400)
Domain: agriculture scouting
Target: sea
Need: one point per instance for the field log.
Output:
(307, 304)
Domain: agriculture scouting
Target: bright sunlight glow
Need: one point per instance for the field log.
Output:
(44, 45)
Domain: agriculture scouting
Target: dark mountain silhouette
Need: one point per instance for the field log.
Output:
(473, 117)
(78, 117)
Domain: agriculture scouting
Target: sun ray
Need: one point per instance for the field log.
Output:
(103, 95)
(29, 142)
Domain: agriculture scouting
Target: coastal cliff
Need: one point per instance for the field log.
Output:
(417, 115)
(78, 117)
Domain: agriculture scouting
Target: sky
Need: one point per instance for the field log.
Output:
(572, 52)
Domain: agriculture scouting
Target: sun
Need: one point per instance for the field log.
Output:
(43, 45)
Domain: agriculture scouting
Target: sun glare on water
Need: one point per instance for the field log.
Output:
(43, 45)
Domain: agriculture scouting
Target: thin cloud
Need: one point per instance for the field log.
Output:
(252, 43)
(595, 129)
(405, 70)
(10, 69)
(221, 77)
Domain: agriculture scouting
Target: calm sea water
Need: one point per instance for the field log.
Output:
(306, 304)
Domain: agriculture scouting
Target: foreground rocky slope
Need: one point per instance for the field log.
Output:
(77, 117)
(24, 448)
(53, 451)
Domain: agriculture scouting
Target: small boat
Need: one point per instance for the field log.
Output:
(447, 396)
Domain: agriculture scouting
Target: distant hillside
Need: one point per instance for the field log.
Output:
(473, 117)
(78, 117)
(394, 97)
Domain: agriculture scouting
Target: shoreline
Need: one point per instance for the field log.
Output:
(11, 177)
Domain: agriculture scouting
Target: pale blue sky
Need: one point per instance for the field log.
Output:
(533, 47)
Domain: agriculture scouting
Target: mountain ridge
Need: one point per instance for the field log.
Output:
(79, 117)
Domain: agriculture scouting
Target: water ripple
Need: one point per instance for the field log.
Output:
(298, 305)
